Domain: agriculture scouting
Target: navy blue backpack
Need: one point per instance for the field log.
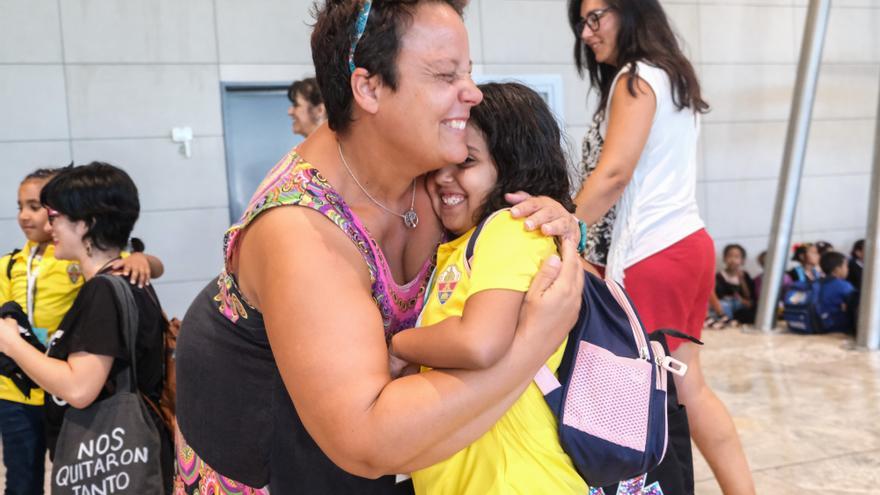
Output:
(610, 395)
(799, 307)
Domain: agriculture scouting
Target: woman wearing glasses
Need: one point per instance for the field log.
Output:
(638, 195)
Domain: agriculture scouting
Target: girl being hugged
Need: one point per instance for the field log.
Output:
(472, 310)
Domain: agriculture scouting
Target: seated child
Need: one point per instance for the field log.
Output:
(734, 289)
(807, 255)
(473, 307)
(759, 278)
(856, 264)
(837, 297)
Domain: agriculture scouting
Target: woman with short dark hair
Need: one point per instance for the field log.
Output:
(306, 106)
(92, 210)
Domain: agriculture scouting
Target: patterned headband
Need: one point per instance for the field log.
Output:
(359, 27)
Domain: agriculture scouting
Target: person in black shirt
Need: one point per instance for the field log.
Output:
(856, 264)
(92, 210)
(734, 289)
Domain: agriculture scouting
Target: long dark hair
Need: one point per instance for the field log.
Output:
(524, 140)
(644, 35)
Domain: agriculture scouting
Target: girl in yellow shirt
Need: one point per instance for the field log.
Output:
(472, 309)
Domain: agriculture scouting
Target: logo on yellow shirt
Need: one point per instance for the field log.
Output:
(73, 272)
(447, 282)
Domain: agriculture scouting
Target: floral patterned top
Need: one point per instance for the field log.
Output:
(293, 181)
(599, 233)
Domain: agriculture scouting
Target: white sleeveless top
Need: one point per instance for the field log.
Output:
(659, 206)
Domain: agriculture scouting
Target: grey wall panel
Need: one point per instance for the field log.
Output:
(32, 102)
(264, 31)
(750, 150)
(751, 34)
(161, 31)
(166, 179)
(538, 32)
(852, 34)
(840, 147)
(847, 92)
(29, 31)
(833, 202)
(143, 100)
(189, 242)
(748, 93)
(739, 208)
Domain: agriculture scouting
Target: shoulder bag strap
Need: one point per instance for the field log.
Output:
(126, 379)
(10, 263)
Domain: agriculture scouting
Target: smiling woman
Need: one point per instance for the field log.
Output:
(283, 365)
(639, 195)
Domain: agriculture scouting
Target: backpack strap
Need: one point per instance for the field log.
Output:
(126, 379)
(472, 242)
(11, 262)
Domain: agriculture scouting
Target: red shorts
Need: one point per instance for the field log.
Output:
(671, 288)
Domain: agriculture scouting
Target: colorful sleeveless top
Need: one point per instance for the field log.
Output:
(295, 182)
(232, 405)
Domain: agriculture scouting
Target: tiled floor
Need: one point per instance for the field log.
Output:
(807, 409)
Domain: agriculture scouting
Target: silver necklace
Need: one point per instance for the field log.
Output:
(410, 217)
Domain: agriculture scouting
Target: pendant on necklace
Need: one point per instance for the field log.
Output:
(411, 219)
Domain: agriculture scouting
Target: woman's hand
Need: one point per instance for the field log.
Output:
(8, 332)
(135, 267)
(400, 368)
(546, 213)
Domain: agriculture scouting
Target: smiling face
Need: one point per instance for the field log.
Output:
(427, 114)
(733, 259)
(603, 40)
(811, 257)
(32, 216)
(305, 116)
(459, 191)
(67, 236)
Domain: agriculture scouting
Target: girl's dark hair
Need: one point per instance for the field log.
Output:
(308, 88)
(800, 250)
(101, 195)
(644, 35)
(730, 247)
(43, 173)
(859, 245)
(376, 51)
(524, 141)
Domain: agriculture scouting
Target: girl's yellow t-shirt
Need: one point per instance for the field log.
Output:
(521, 453)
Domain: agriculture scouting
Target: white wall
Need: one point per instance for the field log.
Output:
(103, 79)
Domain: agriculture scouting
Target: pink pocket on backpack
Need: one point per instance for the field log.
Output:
(609, 396)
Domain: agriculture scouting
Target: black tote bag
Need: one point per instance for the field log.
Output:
(113, 445)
